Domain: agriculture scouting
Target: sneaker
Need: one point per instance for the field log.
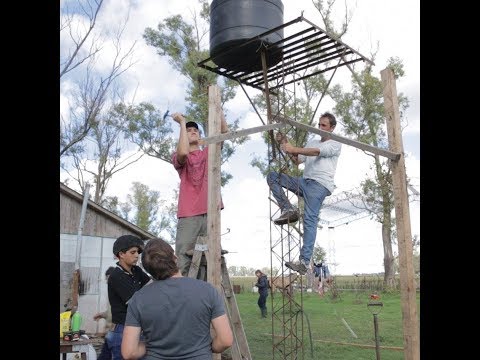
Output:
(288, 216)
(298, 266)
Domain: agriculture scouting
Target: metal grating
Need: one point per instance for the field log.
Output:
(348, 206)
(306, 51)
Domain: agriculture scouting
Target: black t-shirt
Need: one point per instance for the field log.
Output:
(121, 286)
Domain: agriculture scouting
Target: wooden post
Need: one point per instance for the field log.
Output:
(402, 214)
(214, 184)
(267, 99)
(78, 252)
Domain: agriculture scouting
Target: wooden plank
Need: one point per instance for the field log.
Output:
(357, 144)
(237, 133)
(97, 217)
(75, 287)
(197, 256)
(402, 215)
(267, 100)
(285, 120)
(240, 348)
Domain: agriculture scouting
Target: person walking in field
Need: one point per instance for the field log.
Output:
(262, 285)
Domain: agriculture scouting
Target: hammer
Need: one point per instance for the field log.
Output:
(167, 113)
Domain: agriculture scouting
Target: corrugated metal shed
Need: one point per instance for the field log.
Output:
(100, 230)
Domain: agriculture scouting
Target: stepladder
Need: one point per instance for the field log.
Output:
(239, 349)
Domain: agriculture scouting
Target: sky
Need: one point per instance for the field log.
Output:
(355, 247)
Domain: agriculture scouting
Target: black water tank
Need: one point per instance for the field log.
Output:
(232, 22)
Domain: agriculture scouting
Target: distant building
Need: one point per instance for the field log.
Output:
(101, 228)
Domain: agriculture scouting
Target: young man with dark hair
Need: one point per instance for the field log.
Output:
(174, 313)
(191, 163)
(122, 284)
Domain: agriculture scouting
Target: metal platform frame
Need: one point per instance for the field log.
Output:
(305, 46)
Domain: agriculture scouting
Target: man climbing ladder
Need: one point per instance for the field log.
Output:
(320, 158)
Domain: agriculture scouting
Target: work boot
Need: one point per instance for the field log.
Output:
(287, 216)
(298, 266)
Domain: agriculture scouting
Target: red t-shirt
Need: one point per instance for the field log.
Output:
(193, 195)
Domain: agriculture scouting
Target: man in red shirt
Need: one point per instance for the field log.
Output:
(191, 162)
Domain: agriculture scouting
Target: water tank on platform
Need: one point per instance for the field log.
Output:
(233, 22)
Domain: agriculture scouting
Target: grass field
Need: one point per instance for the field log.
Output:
(340, 328)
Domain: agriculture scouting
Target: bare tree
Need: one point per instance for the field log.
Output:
(90, 89)
(68, 23)
(107, 148)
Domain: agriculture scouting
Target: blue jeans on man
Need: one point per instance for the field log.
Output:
(106, 353)
(114, 338)
(313, 194)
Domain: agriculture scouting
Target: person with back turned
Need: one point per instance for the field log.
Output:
(174, 313)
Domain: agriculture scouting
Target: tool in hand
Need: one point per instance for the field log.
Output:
(167, 113)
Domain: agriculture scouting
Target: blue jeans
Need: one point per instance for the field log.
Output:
(105, 354)
(313, 194)
(114, 341)
(262, 300)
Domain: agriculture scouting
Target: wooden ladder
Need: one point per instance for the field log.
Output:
(240, 349)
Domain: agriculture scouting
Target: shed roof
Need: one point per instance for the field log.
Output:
(107, 213)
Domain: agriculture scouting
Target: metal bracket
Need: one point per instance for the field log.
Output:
(201, 247)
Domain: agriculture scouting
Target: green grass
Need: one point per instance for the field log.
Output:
(323, 324)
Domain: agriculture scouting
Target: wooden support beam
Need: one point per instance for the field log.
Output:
(267, 100)
(197, 256)
(285, 120)
(214, 184)
(234, 134)
(402, 214)
(357, 144)
(240, 349)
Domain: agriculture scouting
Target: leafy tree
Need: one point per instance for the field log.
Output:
(319, 254)
(232, 270)
(362, 111)
(146, 126)
(146, 203)
(103, 159)
(141, 208)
